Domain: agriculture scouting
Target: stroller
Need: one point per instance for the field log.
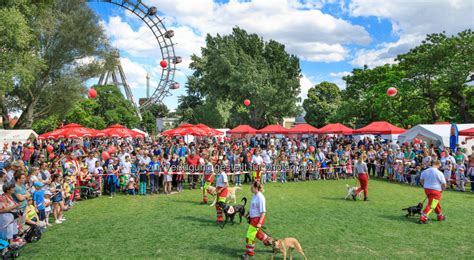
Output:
(7, 251)
(90, 190)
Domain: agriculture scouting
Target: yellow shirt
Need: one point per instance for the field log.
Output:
(30, 212)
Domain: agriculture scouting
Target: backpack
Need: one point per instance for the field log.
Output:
(33, 234)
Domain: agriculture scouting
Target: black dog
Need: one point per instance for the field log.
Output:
(414, 210)
(231, 211)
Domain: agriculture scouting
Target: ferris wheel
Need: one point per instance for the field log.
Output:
(168, 62)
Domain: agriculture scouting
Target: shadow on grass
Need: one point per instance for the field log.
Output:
(203, 221)
(336, 198)
(400, 218)
(225, 250)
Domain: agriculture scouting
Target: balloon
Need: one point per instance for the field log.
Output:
(235, 147)
(391, 92)
(247, 102)
(51, 156)
(92, 93)
(49, 148)
(163, 64)
(111, 149)
(311, 149)
(105, 155)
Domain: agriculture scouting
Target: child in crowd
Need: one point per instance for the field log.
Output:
(38, 200)
(460, 176)
(131, 186)
(143, 171)
(47, 206)
(447, 170)
(99, 172)
(284, 167)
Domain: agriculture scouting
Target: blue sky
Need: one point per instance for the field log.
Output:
(331, 37)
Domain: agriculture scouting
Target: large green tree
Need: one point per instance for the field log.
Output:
(236, 67)
(109, 107)
(322, 103)
(66, 34)
(439, 69)
(150, 114)
(15, 41)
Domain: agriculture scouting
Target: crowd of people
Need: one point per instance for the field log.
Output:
(40, 179)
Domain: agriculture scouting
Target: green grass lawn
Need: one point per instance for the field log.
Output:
(327, 226)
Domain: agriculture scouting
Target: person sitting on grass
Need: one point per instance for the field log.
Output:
(32, 218)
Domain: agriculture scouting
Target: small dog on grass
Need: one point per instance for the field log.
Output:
(412, 211)
(285, 246)
(351, 192)
(231, 195)
(231, 211)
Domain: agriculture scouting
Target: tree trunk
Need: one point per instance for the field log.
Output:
(5, 118)
(26, 119)
(460, 99)
(434, 111)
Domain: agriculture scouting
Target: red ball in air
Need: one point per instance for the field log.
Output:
(391, 92)
(163, 64)
(92, 93)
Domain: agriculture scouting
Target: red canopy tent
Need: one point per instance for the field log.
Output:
(185, 129)
(467, 132)
(69, 131)
(210, 131)
(243, 130)
(303, 129)
(337, 128)
(380, 128)
(273, 129)
(119, 131)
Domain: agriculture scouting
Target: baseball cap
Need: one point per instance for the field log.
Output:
(39, 184)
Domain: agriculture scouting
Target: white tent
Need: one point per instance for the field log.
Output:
(432, 134)
(8, 136)
(140, 131)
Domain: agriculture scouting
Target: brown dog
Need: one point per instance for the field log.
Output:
(285, 246)
(231, 195)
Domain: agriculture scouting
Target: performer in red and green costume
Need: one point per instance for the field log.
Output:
(434, 183)
(221, 192)
(208, 180)
(256, 220)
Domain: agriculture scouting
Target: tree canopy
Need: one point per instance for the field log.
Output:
(236, 67)
(53, 47)
(431, 80)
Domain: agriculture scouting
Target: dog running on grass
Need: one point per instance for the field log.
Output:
(231, 211)
(285, 246)
(231, 194)
(351, 192)
(412, 211)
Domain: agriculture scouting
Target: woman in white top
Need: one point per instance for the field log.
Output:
(256, 218)
(360, 170)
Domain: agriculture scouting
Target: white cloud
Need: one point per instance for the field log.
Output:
(307, 32)
(340, 74)
(411, 21)
(305, 84)
(136, 74)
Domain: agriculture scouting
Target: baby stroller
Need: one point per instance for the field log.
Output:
(90, 190)
(7, 251)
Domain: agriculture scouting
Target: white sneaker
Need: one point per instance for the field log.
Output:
(63, 219)
(58, 221)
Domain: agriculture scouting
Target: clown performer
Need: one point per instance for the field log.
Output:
(256, 218)
(208, 179)
(434, 183)
(221, 191)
